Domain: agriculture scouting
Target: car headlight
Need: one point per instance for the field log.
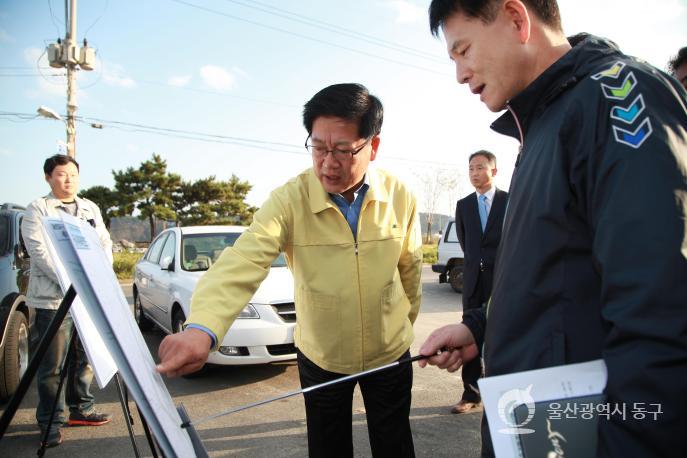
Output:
(249, 312)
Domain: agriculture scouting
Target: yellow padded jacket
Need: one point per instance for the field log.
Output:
(356, 302)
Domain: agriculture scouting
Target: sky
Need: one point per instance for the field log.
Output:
(216, 87)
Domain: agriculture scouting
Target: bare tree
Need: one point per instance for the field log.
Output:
(452, 196)
(436, 183)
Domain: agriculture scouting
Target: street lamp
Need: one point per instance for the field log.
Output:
(48, 113)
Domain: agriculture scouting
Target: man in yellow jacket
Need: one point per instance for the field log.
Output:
(352, 239)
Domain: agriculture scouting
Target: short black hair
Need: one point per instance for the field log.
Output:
(350, 101)
(58, 159)
(679, 59)
(440, 10)
(489, 155)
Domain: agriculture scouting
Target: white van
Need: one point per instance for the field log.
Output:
(450, 258)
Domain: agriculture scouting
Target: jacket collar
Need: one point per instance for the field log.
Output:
(319, 199)
(490, 194)
(377, 190)
(53, 202)
(562, 75)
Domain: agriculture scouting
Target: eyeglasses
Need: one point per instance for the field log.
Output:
(340, 154)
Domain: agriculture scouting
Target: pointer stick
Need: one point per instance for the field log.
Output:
(186, 424)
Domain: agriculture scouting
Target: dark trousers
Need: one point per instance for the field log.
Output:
(386, 395)
(472, 370)
(79, 376)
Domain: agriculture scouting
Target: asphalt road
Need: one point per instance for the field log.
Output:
(276, 429)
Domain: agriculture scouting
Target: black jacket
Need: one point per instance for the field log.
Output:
(477, 246)
(593, 257)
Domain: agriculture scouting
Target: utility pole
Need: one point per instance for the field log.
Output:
(70, 43)
(68, 54)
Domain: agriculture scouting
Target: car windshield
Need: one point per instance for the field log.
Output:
(200, 251)
(4, 234)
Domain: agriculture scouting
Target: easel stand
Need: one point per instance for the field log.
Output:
(32, 369)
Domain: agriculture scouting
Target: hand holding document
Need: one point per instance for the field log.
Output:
(503, 394)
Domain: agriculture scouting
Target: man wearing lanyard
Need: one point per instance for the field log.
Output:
(593, 260)
(44, 294)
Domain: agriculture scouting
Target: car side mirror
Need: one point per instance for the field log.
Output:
(167, 263)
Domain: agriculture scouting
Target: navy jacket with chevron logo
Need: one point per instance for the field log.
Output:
(593, 255)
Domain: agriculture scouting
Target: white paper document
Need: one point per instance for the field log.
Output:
(104, 367)
(503, 393)
(102, 296)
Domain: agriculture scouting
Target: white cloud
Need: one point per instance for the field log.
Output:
(36, 55)
(216, 77)
(115, 75)
(53, 86)
(179, 81)
(4, 152)
(407, 12)
(118, 81)
(49, 85)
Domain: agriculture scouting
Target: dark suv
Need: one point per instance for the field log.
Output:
(15, 316)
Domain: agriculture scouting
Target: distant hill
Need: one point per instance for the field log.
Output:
(133, 229)
(137, 230)
(438, 222)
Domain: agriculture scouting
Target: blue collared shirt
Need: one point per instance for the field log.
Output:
(351, 211)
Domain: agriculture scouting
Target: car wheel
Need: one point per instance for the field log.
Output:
(15, 357)
(178, 322)
(455, 278)
(144, 324)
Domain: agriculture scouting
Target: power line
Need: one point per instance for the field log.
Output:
(333, 28)
(53, 18)
(29, 75)
(38, 67)
(242, 141)
(107, 3)
(25, 67)
(167, 130)
(354, 32)
(207, 140)
(211, 138)
(22, 117)
(23, 72)
(306, 37)
(175, 133)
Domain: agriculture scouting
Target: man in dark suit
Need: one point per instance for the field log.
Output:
(479, 218)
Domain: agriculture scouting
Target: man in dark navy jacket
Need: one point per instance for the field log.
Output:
(593, 258)
(479, 218)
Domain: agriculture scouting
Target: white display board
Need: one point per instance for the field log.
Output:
(96, 284)
(103, 365)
